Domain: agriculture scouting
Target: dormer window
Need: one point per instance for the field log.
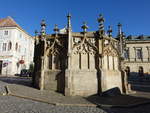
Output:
(5, 32)
(129, 37)
(140, 37)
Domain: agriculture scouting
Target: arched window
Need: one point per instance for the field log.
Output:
(9, 46)
(5, 32)
(141, 71)
(16, 46)
(4, 46)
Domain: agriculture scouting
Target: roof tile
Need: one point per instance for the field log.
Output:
(8, 22)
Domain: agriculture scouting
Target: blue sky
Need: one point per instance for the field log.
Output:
(133, 14)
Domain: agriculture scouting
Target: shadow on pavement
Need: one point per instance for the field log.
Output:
(26, 81)
(117, 101)
(140, 83)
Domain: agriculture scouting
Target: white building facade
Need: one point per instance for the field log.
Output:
(16, 48)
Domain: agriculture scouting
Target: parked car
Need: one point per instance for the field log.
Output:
(24, 73)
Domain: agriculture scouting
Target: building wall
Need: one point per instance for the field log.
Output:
(134, 68)
(22, 48)
(111, 79)
(133, 62)
(84, 82)
(110, 72)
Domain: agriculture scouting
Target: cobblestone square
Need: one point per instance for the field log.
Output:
(12, 104)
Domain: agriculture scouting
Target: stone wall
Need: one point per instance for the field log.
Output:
(83, 82)
(86, 68)
(54, 80)
(111, 79)
(134, 67)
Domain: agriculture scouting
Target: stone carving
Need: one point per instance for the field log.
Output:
(84, 46)
(53, 47)
(110, 50)
(74, 62)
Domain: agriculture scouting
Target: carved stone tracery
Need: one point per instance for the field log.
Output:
(84, 45)
(109, 50)
(54, 47)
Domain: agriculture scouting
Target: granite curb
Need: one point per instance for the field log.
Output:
(80, 105)
(52, 103)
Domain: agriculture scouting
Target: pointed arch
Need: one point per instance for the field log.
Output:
(110, 51)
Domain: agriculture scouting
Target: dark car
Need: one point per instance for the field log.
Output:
(24, 73)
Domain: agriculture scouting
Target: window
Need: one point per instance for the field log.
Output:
(148, 49)
(20, 35)
(0, 46)
(25, 50)
(5, 32)
(16, 46)
(9, 46)
(19, 49)
(126, 54)
(4, 46)
(139, 53)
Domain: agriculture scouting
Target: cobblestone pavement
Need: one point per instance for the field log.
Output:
(12, 80)
(11, 104)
